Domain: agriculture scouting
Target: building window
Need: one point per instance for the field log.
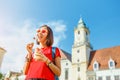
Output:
(78, 32)
(78, 69)
(111, 64)
(95, 65)
(87, 38)
(108, 78)
(66, 64)
(78, 78)
(86, 33)
(90, 78)
(78, 60)
(66, 74)
(99, 78)
(78, 51)
(117, 77)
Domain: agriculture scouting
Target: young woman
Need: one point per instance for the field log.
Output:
(40, 64)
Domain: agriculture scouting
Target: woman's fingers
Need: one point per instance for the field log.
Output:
(29, 47)
(40, 56)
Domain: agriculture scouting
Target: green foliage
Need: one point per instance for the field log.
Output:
(1, 75)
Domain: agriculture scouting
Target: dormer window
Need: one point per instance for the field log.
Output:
(95, 66)
(111, 64)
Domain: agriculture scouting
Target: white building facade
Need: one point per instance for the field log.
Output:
(88, 64)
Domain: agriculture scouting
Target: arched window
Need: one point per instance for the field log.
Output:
(78, 78)
(78, 60)
(78, 69)
(78, 51)
(66, 64)
(111, 64)
(66, 74)
(78, 32)
(95, 65)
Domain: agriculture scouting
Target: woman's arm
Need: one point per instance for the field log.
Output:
(27, 64)
(28, 58)
(26, 68)
(56, 68)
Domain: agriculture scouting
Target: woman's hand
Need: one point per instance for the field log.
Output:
(39, 56)
(29, 48)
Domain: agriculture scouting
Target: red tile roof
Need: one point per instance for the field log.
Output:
(103, 56)
(65, 55)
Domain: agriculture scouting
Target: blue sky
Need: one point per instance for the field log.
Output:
(19, 20)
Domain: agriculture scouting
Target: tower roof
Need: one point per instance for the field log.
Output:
(81, 23)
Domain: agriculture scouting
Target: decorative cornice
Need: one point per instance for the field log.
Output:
(82, 44)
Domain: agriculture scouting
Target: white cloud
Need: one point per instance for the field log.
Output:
(14, 38)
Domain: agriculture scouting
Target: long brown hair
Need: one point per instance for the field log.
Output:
(49, 38)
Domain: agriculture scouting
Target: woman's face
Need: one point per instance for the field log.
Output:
(42, 34)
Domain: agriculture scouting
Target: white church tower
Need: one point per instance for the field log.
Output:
(80, 51)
